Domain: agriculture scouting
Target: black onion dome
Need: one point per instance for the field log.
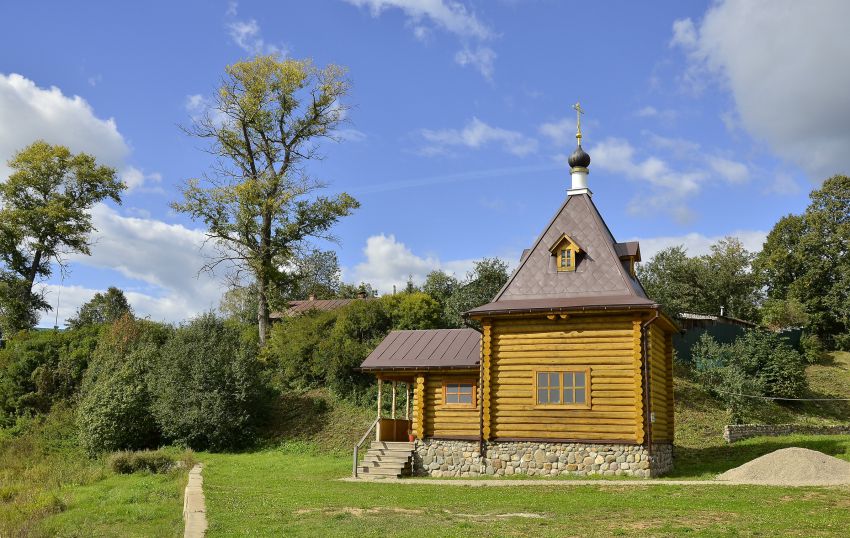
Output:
(579, 159)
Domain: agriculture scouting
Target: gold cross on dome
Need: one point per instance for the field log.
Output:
(579, 112)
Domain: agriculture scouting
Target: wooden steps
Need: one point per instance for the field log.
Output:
(386, 460)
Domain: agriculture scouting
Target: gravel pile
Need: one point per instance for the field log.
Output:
(791, 467)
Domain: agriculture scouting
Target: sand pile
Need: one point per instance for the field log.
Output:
(791, 467)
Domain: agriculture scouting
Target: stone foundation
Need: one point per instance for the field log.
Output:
(446, 458)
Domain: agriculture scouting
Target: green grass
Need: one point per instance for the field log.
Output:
(284, 493)
(49, 487)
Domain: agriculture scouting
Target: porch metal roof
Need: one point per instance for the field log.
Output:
(424, 349)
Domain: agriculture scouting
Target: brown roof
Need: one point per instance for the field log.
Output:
(611, 302)
(600, 279)
(299, 307)
(439, 348)
(628, 249)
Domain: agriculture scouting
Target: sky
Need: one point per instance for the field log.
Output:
(703, 119)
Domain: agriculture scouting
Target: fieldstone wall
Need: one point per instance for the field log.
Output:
(736, 432)
(446, 458)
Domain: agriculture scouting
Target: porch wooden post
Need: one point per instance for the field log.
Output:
(407, 401)
(392, 413)
(380, 396)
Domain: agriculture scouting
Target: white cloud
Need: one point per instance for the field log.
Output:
(448, 15)
(698, 244)
(560, 132)
(665, 115)
(451, 16)
(390, 262)
(784, 184)
(136, 179)
(731, 171)
(784, 63)
(481, 58)
(247, 34)
(28, 112)
(165, 258)
(477, 134)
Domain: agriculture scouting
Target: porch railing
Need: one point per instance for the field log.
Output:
(360, 443)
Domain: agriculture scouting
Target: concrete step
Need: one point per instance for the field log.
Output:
(386, 464)
(378, 472)
(393, 445)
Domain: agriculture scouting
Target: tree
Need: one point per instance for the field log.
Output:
(102, 308)
(723, 279)
(806, 258)
(441, 286)
(350, 291)
(259, 203)
(316, 274)
(670, 278)
(44, 216)
(480, 286)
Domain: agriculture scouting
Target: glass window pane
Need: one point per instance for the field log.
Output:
(542, 396)
(451, 398)
(541, 379)
(466, 398)
(554, 396)
(568, 396)
(466, 388)
(568, 380)
(580, 396)
(553, 379)
(579, 379)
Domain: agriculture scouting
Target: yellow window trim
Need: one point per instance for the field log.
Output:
(564, 369)
(474, 403)
(565, 242)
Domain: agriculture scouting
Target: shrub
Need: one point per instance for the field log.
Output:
(293, 349)
(40, 368)
(115, 407)
(767, 358)
(207, 387)
(128, 462)
(813, 348)
(842, 342)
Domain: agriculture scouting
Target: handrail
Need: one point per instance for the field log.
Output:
(360, 443)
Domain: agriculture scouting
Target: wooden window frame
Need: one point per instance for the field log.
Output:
(473, 405)
(562, 370)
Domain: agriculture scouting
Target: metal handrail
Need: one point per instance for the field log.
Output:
(360, 443)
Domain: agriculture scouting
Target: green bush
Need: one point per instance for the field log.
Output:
(128, 462)
(842, 342)
(813, 348)
(40, 368)
(757, 363)
(293, 349)
(115, 407)
(207, 386)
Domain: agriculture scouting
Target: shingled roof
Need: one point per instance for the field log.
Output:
(425, 349)
(600, 278)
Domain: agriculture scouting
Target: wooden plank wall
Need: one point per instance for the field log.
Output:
(604, 343)
(660, 385)
(443, 421)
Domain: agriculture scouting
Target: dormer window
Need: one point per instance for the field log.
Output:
(566, 252)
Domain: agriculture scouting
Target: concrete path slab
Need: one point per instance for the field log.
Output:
(194, 505)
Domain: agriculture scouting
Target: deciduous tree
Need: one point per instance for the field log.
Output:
(259, 202)
(44, 216)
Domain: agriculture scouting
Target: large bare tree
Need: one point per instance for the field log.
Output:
(259, 202)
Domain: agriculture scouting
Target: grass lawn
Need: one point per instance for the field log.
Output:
(49, 487)
(289, 493)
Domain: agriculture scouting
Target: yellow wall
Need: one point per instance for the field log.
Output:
(661, 383)
(439, 420)
(603, 343)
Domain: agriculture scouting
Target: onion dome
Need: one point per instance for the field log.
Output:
(579, 158)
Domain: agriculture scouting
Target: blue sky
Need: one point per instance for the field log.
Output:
(702, 119)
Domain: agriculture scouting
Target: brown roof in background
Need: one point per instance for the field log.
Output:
(423, 349)
(600, 278)
(299, 307)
